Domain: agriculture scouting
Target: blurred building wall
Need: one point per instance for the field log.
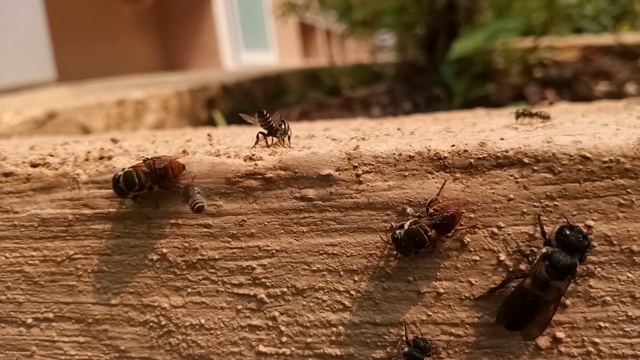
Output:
(25, 51)
(83, 39)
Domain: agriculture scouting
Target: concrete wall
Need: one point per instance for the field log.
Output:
(288, 36)
(189, 34)
(25, 53)
(95, 38)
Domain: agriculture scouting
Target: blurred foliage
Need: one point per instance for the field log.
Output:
(450, 36)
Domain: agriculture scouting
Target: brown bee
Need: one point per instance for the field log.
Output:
(194, 197)
(158, 172)
(424, 232)
(277, 128)
(531, 305)
(527, 113)
(418, 348)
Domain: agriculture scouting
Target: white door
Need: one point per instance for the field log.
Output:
(26, 55)
(246, 33)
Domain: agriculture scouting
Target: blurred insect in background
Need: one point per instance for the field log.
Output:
(194, 197)
(424, 232)
(531, 305)
(418, 348)
(158, 172)
(527, 113)
(276, 127)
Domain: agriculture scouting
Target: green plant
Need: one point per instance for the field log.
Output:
(451, 37)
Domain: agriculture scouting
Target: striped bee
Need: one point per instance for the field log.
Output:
(275, 126)
(158, 172)
(193, 196)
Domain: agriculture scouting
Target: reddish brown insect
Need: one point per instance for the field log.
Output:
(158, 172)
(165, 169)
(442, 217)
(415, 235)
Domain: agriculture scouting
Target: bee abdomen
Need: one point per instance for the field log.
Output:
(265, 122)
(133, 181)
(196, 200)
(116, 186)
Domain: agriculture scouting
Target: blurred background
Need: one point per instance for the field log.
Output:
(86, 66)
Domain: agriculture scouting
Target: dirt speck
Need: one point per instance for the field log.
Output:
(543, 342)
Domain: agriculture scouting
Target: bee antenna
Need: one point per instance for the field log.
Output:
(406, 337)
(567, 219)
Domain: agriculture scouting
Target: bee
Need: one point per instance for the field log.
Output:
(424, 232)
(158, 172)
(194, 197)
(531, 305)
(527, 113)
(276, 127)
(418, 348)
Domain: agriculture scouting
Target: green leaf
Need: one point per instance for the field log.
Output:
(479, 37)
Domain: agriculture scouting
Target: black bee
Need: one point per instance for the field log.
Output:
(418, 348)
(527, 113)
(424, 232)
(532, 304)
(276, 127)
(158, 172)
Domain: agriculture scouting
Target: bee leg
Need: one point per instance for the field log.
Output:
(434, 200)
(289, 139)
(514, 275)
(264, 135)
(385, 241)
(257, 140)
(458, 230)
(543, 233)
(406, 336)
(585, 274)
(529, 257)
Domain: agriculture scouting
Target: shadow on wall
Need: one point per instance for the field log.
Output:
(393, 289)
(135, 229)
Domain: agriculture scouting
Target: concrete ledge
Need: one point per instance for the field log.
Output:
(287, 262)
(130, 102)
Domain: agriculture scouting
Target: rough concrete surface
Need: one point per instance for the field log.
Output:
(128, 102)
(287, 262)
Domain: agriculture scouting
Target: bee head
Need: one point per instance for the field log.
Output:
(573, 240)
(129, 180)
(423, 345)
(396, 237)
(115, 185)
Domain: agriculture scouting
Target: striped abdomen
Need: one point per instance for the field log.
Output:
(196, 200)
(132, 181)
(266, 122)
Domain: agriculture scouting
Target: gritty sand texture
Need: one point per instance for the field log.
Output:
(287, 262)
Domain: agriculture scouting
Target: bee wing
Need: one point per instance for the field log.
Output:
(158, 162)
(527, 308)
(277, 118)
(443, 211)
(443, 217)
(545, 311)
(250, 119)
